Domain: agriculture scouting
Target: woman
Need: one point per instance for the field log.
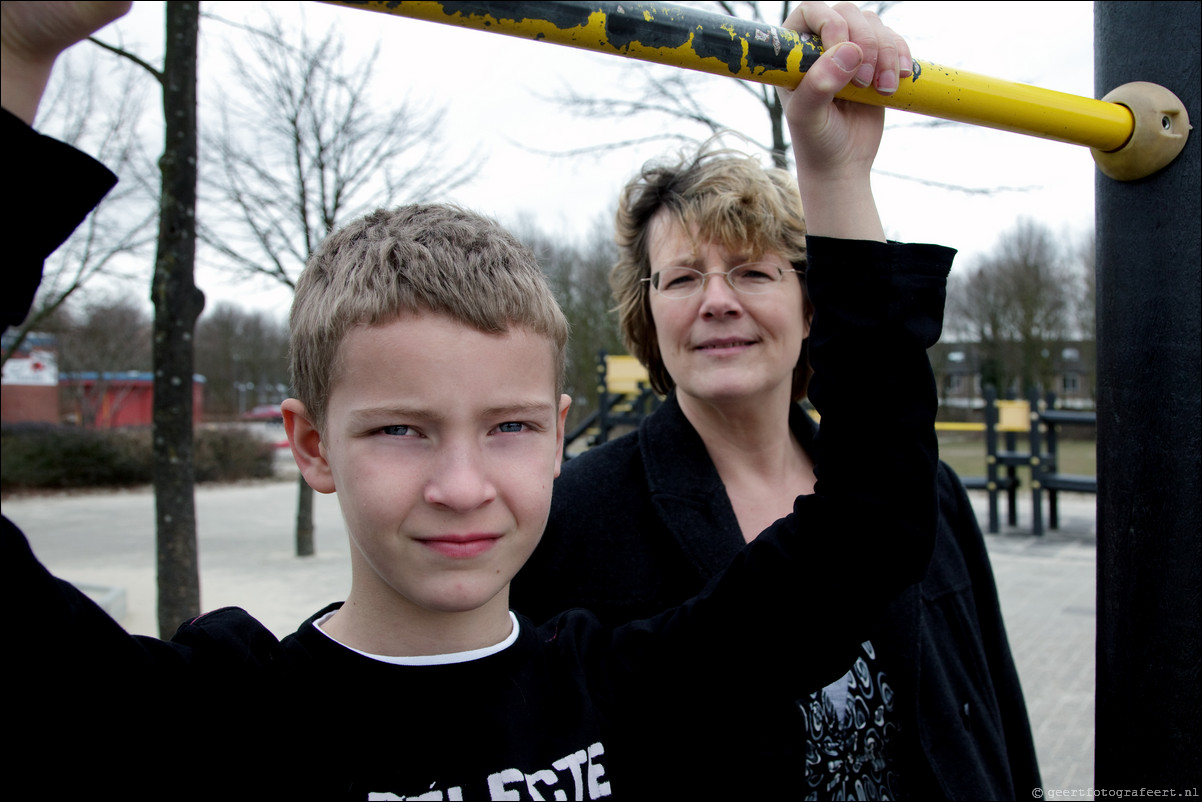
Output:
(711, 293)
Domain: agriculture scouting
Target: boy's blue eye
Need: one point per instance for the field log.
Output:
(395, 431)
(511, 427)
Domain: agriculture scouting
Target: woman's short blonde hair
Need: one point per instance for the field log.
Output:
(731, 199)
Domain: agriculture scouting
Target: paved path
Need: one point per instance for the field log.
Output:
(1047, 591)
(245, 533)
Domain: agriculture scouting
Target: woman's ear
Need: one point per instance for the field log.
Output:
(807, 307)
(304, 438)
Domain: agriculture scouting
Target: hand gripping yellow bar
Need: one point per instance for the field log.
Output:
(1133, 132)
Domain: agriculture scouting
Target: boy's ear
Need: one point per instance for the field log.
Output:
(304, 438)
(561, 422)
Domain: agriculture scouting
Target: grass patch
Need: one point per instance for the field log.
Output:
(966, 455)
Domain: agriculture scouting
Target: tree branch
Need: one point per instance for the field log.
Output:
(123, 53)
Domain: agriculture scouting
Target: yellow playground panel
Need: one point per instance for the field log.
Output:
(625, 375)
(1013, 416)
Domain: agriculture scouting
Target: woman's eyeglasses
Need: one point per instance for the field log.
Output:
(753, 278)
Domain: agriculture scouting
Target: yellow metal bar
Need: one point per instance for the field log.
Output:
(678, 36)
(967, 97)
(953, 426)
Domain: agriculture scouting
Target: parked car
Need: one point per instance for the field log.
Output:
(267, 412)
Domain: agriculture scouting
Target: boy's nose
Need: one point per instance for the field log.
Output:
(459, 481)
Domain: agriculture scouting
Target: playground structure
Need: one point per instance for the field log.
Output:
(1006, 420)
(625, 397)
(1134, 131)
(1148, 705)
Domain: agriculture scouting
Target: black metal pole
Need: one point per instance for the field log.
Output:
(1148, 714)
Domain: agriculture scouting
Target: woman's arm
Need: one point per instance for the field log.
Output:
(835, 141)
(32, 36)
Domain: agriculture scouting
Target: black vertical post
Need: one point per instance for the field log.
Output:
(1148, 714)
(1051, 461)
(603, 400)
(1011, 438)
(1035, 439)
(992, 478)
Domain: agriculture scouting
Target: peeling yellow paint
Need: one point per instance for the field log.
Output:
(936, 91)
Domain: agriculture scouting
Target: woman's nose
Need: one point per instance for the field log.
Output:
(717, 296)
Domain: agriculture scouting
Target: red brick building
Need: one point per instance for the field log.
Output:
(112, 400)
(29, 389)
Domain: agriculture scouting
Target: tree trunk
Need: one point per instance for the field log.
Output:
(304, 520)
(177, 305)
(780, 144)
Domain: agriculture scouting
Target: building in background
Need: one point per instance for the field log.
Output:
(29, 390)
(113, 400)
(959, 367)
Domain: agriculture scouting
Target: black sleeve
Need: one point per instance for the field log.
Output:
(55, 623)
(52, 187)
(878, 308)
(72, 672)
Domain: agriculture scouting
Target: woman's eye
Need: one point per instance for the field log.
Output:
(752, 274)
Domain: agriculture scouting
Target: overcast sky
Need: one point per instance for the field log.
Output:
(493, 88)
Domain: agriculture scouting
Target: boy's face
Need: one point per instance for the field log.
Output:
(442, 443)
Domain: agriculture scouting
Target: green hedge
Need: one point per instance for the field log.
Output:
(225, 455)
(57, 457)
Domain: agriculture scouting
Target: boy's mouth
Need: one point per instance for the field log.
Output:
(461, 547)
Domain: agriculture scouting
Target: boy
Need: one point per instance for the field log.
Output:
(427, 355)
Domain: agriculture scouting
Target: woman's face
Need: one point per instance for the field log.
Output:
(721, 346)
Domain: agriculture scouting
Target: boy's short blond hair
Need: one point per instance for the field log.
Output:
(422, 258)
(731, 199)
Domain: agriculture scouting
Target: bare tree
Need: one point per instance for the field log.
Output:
(81, 109)
(306, 150)
(177, 305)
(1017, 304)
(1083, 272)
(578, 273)
(105, 338)
(243, 356)
(671, 95)
(764, 94)
(1085, 257)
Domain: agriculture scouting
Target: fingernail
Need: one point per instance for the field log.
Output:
(863, 75)
(886, 82)
(905, 67)
(848, 57)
